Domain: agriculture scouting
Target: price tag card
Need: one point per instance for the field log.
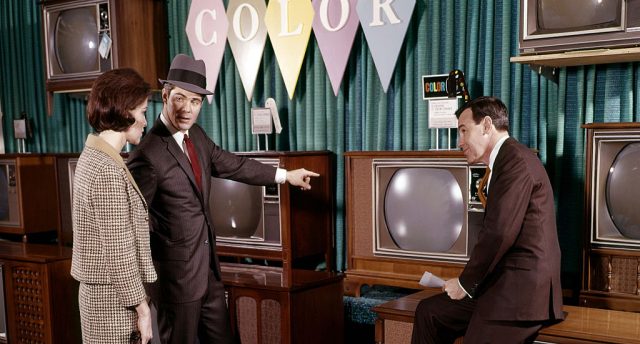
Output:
(261, 121)
(105, 46)
(442, 113)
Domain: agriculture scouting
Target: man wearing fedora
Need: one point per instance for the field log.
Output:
(173, 166)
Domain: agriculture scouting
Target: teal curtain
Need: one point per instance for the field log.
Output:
(477, 37)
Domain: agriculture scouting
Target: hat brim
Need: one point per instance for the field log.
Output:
(187, 86)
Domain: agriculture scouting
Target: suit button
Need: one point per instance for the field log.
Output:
(206, 242)
(146, 218)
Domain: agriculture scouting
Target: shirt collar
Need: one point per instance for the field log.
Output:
(177, 135)
(496, 149)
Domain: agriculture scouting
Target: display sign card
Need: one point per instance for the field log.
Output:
(442, 113)
(261, 121)
(434, 86)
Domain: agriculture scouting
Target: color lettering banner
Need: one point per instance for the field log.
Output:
(288, 23)
(207, 34)
(385, 23)
(335, 26)
(289, 26)
(247, 37)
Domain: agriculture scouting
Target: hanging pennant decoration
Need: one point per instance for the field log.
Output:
(206, 30)
(247, 37)
(335, 26)
(385, 24)
(289, 27)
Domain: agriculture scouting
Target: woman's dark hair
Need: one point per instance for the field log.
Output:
(488, 106)
(112, 96)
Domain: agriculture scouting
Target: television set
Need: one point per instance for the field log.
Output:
(65, 172)
(407, 213)
(251, 213)
(424, 208)
(612, 219)
(78, 39)
(3, 310)
(28, 195)
(85, 38)
(277, 225)
(564, 25)
(614, 187)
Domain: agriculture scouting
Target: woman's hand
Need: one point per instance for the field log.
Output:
(144, 322)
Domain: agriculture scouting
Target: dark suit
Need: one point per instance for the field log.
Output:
(182, 238)
(513, 274)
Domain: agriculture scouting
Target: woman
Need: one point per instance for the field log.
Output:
(111, 255)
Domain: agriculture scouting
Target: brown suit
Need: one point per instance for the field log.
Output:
(513, 274)
(182, 239)
(111, 256)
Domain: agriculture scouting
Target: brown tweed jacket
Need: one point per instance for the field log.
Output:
(110, 226)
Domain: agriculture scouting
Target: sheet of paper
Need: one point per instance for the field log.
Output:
(430, 280)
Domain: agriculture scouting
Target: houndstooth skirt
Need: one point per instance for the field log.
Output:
(103, 320)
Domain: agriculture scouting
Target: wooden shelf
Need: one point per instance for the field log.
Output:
(581, 57)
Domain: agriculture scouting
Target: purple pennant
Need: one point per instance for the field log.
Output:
(206, 29)
(385, 23)
(335, 25)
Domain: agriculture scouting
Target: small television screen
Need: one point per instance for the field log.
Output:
(615, 188)
(426, 209)
(244, 214)
(578, 15)
(78, 39)
(3, 313)
(9, 196)
(563, 25)
(66, 169)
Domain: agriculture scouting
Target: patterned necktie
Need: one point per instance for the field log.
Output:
(195, 163)
(482, 187)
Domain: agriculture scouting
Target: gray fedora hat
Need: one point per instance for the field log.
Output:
(187, 73)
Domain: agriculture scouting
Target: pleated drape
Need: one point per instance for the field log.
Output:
(477, 37)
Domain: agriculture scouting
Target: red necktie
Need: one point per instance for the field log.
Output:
(195, 163)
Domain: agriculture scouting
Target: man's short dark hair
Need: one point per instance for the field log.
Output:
(113, 95)
(488, 106)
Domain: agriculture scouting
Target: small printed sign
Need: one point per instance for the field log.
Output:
(261, 121)
(105, 46)
(434, 86)
(442, 113)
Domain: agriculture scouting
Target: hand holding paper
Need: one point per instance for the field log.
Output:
(429, 280)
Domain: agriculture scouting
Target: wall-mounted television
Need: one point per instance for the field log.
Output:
(614, 188)
(562, 25)
(84, 38)
(28, 195)
(407, 213)
(280, 225)
(78, 39)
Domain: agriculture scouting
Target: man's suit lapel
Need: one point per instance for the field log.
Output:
(179, 155)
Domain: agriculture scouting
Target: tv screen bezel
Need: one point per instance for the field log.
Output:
(600, 217)
(442, 163)
(50, 45)
(266, 198)
(627, 34)
(15, 204)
